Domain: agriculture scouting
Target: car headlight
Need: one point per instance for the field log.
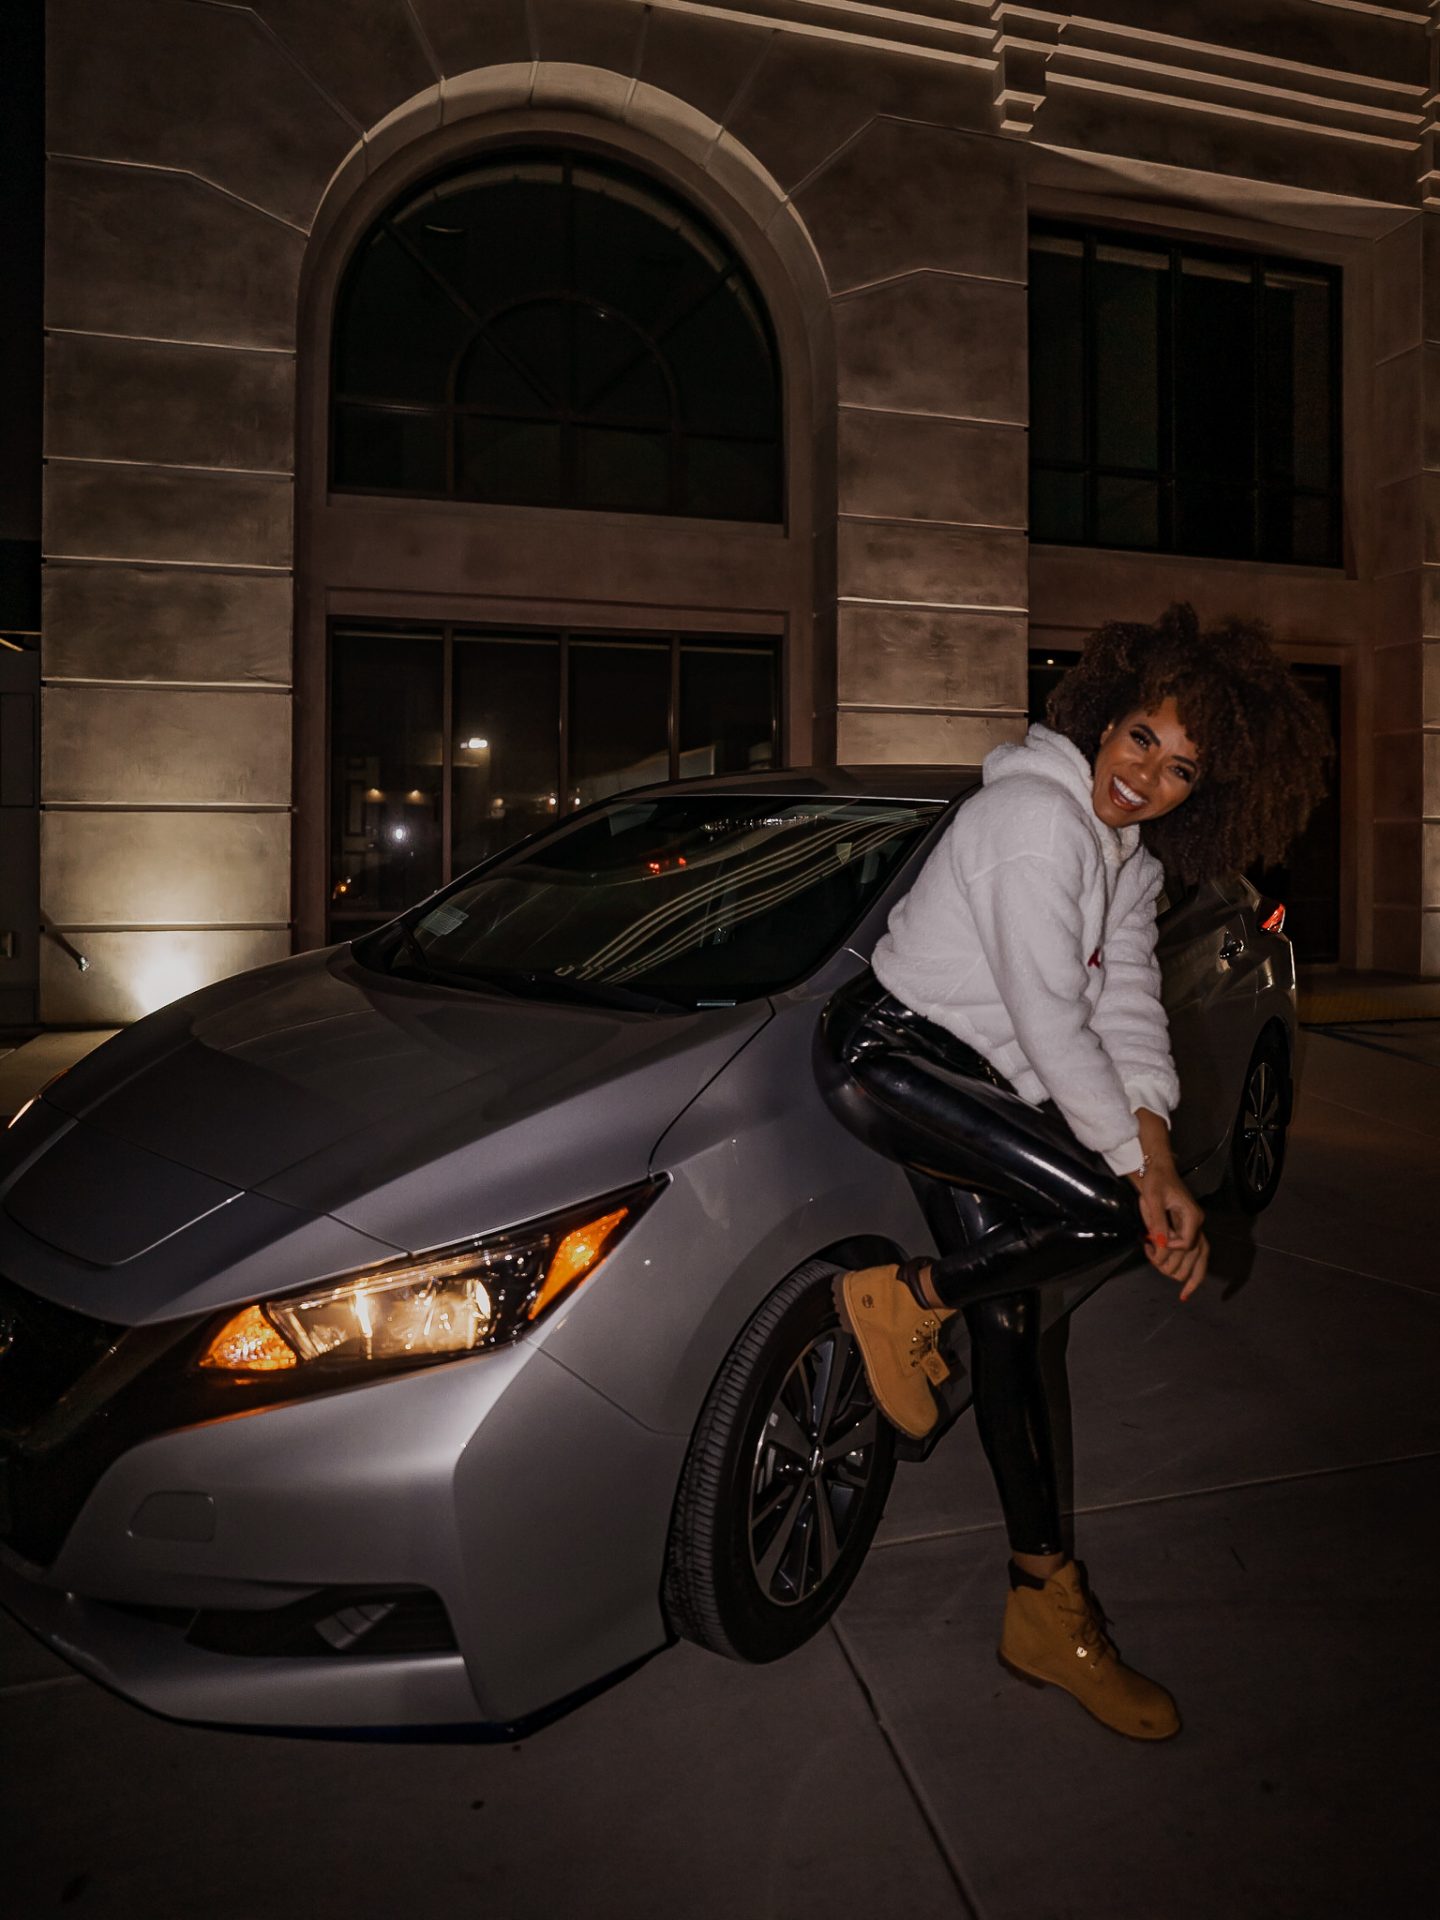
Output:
(456, 1301)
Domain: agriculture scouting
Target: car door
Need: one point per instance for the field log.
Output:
(1209, 995)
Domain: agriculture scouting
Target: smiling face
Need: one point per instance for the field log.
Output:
(1147, 764)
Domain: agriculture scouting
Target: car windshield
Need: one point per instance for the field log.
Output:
(674, 901)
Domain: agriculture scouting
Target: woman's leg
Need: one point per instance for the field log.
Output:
(1013, 1417)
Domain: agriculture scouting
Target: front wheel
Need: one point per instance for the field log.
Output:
(1257, 1148)
(784, 1484)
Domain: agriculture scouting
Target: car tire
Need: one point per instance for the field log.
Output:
(772, 1523)
(1257, 1144)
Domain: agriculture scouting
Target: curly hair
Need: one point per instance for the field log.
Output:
(1263, 742)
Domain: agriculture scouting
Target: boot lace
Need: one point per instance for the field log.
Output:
(1088, 1629)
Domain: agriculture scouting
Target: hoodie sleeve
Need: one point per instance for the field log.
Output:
(1027, 917)
(1129, 1016)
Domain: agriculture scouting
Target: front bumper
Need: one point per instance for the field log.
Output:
(531, 1509)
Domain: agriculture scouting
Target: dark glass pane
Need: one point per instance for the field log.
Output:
(720, 361)
(617, 375)
(506, 746)
(516, 460)
(400, 452)
(1300, 529)
(397, 334)
(488, 379)
(1215, 520)
(636, 250)
(626, 471)
(1297, 389)
(1057, 351)
(1130, 287)
(535, 338)
(1215, 373)
(385, 766)
(728, 712)
(1057, 506)
(497, 232)
(732, 480)
(619, 716)
(1127, 513)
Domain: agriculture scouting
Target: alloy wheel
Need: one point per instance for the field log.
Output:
(1262, 1126)
(813, 1462)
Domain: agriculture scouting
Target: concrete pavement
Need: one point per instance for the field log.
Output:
(1256, 1476)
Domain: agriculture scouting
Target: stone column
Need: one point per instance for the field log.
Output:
(175, 232)
(1406, 659)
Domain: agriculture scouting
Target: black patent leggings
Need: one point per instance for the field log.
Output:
(1008, 1193)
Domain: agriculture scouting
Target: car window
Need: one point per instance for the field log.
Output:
(677, 900)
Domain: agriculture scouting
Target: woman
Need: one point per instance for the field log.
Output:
(1011, 1049)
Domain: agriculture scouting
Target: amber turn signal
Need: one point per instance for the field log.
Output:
(248, 1343)
(576, 1254)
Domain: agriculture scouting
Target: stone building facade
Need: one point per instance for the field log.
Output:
(879, 170)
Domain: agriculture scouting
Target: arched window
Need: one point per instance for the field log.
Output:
(551, 329)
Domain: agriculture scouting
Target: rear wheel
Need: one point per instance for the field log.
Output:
(1257, 1149)
(784, 1484)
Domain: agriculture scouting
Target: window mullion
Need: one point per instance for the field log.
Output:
(673, 716)
(562, 731)
(447, 754)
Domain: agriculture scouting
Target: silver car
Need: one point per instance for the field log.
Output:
(421, 1333)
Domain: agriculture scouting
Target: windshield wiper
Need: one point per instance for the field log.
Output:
(595, 993)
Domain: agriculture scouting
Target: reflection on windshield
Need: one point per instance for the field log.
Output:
(678, 899)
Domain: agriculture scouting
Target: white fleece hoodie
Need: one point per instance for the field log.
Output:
(1030, 933)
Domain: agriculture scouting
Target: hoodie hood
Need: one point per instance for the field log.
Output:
(1046, 755)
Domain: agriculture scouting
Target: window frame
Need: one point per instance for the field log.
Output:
(1165, 475)
(452, 412)
(676, 637)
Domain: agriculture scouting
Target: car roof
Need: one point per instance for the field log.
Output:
(870, 783)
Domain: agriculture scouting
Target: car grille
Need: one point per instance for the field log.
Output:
(45, 1350)
(63, 1412)
(332, 1623)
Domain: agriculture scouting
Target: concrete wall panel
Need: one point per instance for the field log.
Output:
(149, 746)
(946, 566)
(131, 974)
(1179, 133)
(1398, 290)
(811, 95)
(921, 739)
(1372, 40)
(367, 54)
(111, 399)
(1397, 696)
(902, 657)
(1399, 777)
(592, 33)
(901, 197)
(167, 869)
(1397, 863)
(903, 466)
(139, 513)
(935, 344)
(186, 70)
(702, 59)
(1400, 422)
(130, 250)
(463, 35)
(165, 623)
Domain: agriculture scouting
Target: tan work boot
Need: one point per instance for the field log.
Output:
(897, 1340)
(1053, 1636)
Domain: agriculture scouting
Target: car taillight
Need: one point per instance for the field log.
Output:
(1274, 921)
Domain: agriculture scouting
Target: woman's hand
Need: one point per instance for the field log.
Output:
(1175, 1244)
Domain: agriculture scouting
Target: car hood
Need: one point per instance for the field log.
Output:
(408, 1114)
